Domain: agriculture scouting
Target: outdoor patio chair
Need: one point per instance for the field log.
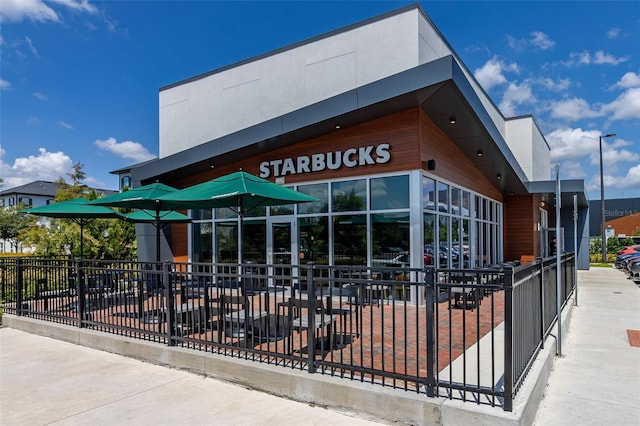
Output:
(299, 317)
(238, 321)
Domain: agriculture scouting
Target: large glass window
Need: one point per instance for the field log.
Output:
(254, 241)
(443, 197)
(390, 193)
(390, 239)
(227, 242)
(319, 191)
(429, 239)
(349, 196)
(202, 238)
(350, 240)
(313, 236)
(428, 193)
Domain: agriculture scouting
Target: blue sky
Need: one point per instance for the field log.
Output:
(79, 79)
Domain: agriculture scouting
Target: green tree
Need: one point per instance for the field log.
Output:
(14, 225)
(103, 238)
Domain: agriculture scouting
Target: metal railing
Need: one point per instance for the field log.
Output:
(467, 334)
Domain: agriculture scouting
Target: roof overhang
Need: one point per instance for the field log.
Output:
(439, 87)
(568, 188)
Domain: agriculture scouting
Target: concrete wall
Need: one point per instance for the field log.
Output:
(529, 147)
(230, 100)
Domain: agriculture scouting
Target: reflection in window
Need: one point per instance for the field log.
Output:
(284, 209)
(390, 192)
(454, 250)
(443, 197)
(349, 195)
(390, 239)
(225, 213)
(429, 235)
(313, 233)
(443, 238)
(319, 191)
(455, 200)
(202, 242)
(466, 203)
(201, 214)
(227, 242)
(254, 241)
(428, 193)
(350, 240)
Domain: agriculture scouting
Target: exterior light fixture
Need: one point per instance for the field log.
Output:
(604, 234)
(452, 119)
(499, 176)
(338, 126)
(480, 153)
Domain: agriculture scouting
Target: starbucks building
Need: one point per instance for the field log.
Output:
(411, 161)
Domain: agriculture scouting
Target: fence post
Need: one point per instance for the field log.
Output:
(508, 339)
(311, 312)
(168, 286)
(19, 286)
(430, 279)
(81, 292)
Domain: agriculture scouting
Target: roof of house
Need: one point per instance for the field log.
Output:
(38, 187)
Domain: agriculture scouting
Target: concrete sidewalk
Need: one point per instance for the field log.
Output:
(597, 380)
(49, 382)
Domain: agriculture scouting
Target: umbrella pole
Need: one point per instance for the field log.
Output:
(157, 226)
(81, 239)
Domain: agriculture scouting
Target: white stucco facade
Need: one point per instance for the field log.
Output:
(529, 147)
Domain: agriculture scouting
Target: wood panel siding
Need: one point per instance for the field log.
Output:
(451, 163)
(399, 130)
(180, 242)
(521, 219)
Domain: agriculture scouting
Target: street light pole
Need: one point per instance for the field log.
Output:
(604, 235)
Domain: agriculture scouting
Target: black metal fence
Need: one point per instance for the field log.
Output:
(468, 334)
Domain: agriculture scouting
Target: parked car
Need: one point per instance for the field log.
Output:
(634, 270)
(623, 260)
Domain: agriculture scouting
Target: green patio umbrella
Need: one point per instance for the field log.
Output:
(143, 198)
(239, 191)
(79, 210)
(164, 217)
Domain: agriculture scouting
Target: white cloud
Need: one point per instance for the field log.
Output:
(40, 96)
(79, 5)
(65, 125)
(39, 10)
(630, 79)
(491, 74)
(18, 10)
(571, 169)
(555, 86)
(613, 33)
(572, 109)
(537, 39)
(516, 94)
(571, 144)
(127, 149)
(606, 58)
(541, 40)
(32, 48)
(625, 106)
(45, 166)
(4, 84)
(599, 58)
